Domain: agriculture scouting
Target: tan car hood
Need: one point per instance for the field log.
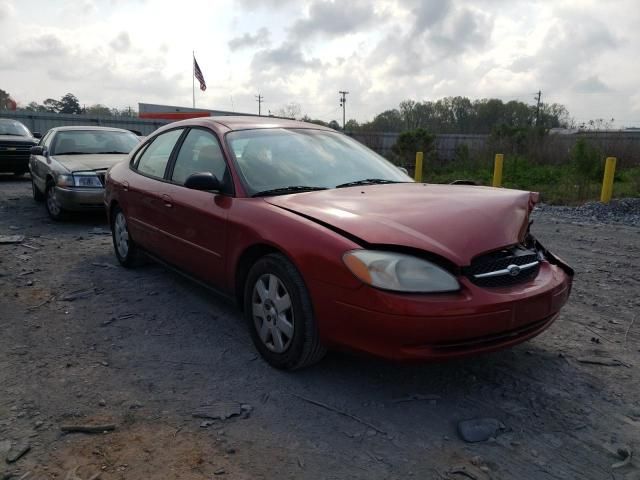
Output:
(456, 222)
(75, 163)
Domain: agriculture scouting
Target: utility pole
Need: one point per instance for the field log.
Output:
(259, 99)
(343, 101)
(538, 97)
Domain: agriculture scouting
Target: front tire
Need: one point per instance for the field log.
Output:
(279, 313)
(123, 245)
(54, 209)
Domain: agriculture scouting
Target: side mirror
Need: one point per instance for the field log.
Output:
(37, 135)
(403, 170)
(38, 150)
(202, 181)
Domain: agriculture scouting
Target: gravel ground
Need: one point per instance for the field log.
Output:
(87, 342)
(625, 211)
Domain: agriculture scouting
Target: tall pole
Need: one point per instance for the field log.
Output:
(343, 101)
(193, 77)
(259, 99)
(538, 97)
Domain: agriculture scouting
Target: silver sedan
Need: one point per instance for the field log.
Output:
(68, 166)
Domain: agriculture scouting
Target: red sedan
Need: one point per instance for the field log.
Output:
(324, 243)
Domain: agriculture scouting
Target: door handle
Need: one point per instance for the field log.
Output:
(168, 202)
(125, 186)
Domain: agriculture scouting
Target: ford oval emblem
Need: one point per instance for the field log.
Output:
(514, 270)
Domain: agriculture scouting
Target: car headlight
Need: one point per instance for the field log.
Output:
(399, 272)
(87, 180)
(84, 180)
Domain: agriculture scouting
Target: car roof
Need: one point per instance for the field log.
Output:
(246, 122)
(89, 127)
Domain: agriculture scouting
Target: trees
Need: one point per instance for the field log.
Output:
(290, 110)
(4, 99)
(69, 104)
(461, 115)
(98, 109)
(408, 143)
(35, 107)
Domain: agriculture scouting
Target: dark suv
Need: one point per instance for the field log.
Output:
(15, 146)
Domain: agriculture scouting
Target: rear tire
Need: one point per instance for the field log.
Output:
(278, 310)
(54, 209)
(38, 196)
(125, 248)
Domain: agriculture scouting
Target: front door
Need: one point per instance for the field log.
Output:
(196, 221)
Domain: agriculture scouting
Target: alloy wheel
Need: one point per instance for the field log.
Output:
(273, 313)
(121, 235)
(52, 202)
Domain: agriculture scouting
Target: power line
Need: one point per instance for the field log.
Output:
(260, 99)
(343, 101)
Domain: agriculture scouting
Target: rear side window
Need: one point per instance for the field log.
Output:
(153, 161)
(200, 152)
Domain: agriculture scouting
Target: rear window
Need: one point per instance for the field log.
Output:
(76, 142)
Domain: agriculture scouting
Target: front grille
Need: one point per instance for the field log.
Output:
(15, 154)
(493, 269)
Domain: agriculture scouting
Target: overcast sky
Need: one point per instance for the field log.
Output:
(583, 54)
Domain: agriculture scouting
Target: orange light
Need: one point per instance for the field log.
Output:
(358, 268)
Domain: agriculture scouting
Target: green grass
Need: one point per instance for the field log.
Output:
(557, 184)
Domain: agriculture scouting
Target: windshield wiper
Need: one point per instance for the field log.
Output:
(13, 134)
(285, 190)
(367, 181)
(70, 153)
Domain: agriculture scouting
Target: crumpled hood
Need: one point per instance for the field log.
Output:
(75, 163)
(457, 222)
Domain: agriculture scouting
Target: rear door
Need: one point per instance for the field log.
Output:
(196, 221)
(145, 206)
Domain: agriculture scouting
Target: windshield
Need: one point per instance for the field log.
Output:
(12, 127)
(75, 142)
(273, 159)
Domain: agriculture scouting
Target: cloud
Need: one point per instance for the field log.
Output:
(121, 43)
(260, 39)
(266, 4)
(42, 46)
(591, 85)
(282, 60)
(6, 10)
(334, 18)
(428, 13)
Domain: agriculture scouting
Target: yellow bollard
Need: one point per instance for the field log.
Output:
(497, 170)
(418, 174)
(607, 181)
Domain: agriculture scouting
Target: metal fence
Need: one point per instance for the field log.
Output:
(43, 121)
(624, 145)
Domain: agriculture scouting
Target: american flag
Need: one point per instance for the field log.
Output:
(198, 74)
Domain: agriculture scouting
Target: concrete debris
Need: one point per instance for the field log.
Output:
(221, 410)
(17, 451)
(479, 429)
(625, 453)
(109, 427)
(6, 239)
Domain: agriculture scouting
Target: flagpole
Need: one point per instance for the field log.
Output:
(193, 77)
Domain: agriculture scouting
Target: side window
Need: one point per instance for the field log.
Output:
(46, 140)
(200, 152)
(154, 159)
